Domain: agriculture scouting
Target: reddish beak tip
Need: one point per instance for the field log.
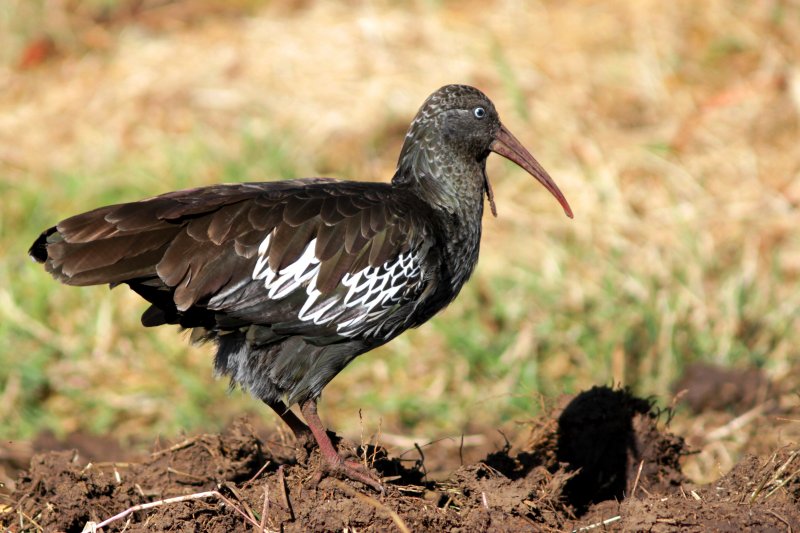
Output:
(509, 147)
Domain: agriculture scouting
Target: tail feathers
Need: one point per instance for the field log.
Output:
(110, 244)
(107, 260)
(90, 226)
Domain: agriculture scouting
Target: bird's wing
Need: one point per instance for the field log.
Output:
(319, 258)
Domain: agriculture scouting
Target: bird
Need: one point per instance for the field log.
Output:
(291, 280)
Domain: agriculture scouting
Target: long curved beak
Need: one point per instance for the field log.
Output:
(508, 146)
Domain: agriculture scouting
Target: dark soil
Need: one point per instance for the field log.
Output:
(605, 461)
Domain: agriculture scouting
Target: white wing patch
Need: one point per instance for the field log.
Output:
(289, 279)
(377, 289)
(371, 295)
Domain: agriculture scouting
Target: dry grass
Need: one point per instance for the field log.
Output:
(671, 128)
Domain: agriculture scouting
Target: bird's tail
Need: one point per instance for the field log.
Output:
(88, 249)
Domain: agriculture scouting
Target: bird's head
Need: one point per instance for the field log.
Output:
(454, 131)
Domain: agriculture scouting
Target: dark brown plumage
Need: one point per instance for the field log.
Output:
(294, 279)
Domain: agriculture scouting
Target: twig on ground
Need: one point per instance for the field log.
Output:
(24, 516)
(598, 524)
(241, 500)
(448, 502)
(171, 470)
(284, 493)
(780, 470)
(265, 508)
(377, 442)
(638, 475)
(175, 447)
(762, 483)
(238, 510)
(782, 519)
(260, 471)
(492, 470)
(93, 527)
(646, 491)
(374, 503)
(774, 476)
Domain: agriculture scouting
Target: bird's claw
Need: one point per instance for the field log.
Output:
(343, 469)
(359, 472)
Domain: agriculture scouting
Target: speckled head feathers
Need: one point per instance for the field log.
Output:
(448, 141)
(454, 97)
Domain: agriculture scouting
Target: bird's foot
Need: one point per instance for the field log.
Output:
(342, 468)
(333, 463)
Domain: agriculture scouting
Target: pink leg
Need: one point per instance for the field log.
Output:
(335, 464)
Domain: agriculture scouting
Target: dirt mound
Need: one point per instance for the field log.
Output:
(757, 495)
(604, 459)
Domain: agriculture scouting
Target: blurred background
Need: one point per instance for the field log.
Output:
(672, 128)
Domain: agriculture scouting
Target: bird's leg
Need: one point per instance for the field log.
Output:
(333, 462)
(302, 434)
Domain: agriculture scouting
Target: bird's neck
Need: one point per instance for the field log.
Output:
(448, 181)
(454, 188)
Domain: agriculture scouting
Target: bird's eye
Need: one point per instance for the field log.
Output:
(479, 112)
